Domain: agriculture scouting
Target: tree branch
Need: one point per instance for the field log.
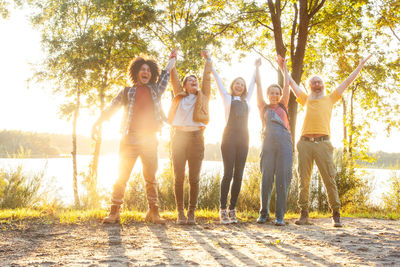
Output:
(293, 34)
(270, 62)
(266, 26)
(316, 8)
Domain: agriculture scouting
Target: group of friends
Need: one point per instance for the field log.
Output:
(189, 115)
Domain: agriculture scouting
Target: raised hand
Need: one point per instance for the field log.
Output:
(205, 54)
(281, 62)
(364, 60)
(174, 53)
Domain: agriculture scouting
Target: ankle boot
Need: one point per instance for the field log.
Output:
(303, 220)
(336, 219)
(181, 217)
(153, 216)
(190, 217)
(114, 215)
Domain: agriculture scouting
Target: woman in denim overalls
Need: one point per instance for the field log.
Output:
(277, 150)
(235, 142)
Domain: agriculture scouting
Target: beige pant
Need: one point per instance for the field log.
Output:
(322, 154)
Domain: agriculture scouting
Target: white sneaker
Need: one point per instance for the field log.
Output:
(223, 217)
(232, 216)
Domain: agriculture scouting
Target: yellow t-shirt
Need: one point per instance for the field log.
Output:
(318, 113)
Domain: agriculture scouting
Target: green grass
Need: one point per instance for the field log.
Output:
(71, 216)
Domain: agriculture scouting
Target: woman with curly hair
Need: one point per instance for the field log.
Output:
(141, 120)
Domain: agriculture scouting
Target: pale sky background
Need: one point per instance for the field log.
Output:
(35, 108)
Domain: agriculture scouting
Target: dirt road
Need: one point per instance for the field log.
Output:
(361, 242)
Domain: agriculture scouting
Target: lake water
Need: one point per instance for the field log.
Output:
(58, 173)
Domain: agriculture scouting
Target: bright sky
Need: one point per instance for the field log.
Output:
(35, 108)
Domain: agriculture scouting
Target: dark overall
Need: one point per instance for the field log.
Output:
(234, 148)
(276, 161)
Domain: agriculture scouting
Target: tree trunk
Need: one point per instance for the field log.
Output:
(298, 53)
(344, 125)
(320, 197)
(97, 147)
(351, 125)
(74, 149)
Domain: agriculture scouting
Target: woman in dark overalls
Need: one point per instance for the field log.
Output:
(235, 142)
(277, 150)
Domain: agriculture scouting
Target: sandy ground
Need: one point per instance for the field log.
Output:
(362, 242)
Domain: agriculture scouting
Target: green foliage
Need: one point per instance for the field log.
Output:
(354, 191)
(166, 187)
(4, 9)
(188, 26)
(19, 189)
(209, 192)
(135, 195)
(92, 197)
(249, 198)
(388, 16)
(391, 199)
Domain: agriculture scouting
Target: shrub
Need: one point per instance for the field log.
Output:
(249, 198)
(18, 189)
(354, 191)
(135, 195)
(391, 199)
(209, 191)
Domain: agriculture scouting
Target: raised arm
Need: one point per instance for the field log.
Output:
(172, 59)
(352, 76)
(176, 84)
(295, 88)
(115, 105)
(221, 89)
(260, 99)
(206, 81)
(251, 87)
(282, 63)
(220, 85)
(165, 74)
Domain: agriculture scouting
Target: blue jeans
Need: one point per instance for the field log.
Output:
(234, 148)
(276, 162)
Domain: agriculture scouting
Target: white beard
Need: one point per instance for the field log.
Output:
(319, 95)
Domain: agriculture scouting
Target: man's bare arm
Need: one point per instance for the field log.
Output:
(352, 76)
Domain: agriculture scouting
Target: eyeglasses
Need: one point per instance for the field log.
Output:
(316, 82)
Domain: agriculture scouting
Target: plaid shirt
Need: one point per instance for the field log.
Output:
(126, 97)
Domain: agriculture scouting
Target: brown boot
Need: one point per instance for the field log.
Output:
(181, 217)
(114, 215)
(190, 217)
(153, 216)
(336, 219)
(303, 220)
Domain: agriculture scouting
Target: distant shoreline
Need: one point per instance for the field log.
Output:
(65, 156)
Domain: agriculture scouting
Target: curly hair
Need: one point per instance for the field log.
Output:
(244, 94)
(136, 64)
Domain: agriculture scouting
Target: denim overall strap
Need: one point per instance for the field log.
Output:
(238, 115)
